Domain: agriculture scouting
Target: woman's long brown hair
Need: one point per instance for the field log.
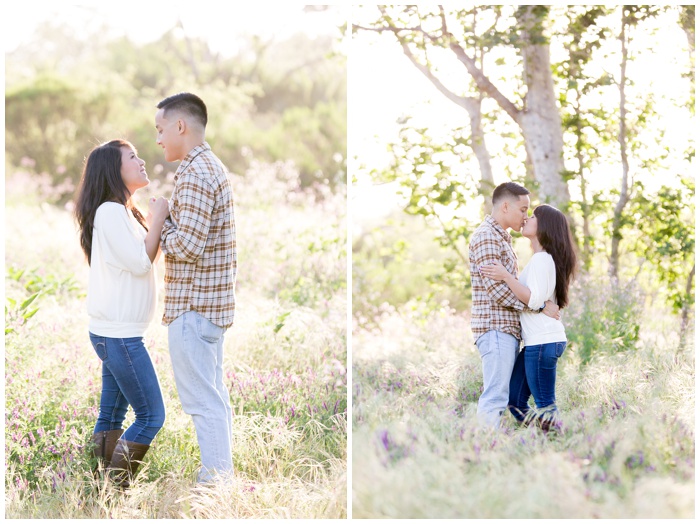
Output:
(555, 237)
(101, 182)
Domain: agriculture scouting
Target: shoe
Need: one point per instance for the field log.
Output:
(549, 424)
(125, 462)
(103, 443)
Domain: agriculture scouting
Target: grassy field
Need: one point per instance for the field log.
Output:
(627, 449)
(285, 360)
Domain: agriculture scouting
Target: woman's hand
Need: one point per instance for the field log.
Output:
(495, 271)
(158, 209)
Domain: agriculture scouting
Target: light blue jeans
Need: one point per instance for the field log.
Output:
(498, 352)
(197, 354)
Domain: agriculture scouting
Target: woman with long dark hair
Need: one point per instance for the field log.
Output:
(121, 247)
(546, 277)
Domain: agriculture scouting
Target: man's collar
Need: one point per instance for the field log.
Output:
(191, 156)
(196, 150)
(499, 229)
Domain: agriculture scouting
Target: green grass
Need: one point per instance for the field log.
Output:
(627, 449)
(285, 365)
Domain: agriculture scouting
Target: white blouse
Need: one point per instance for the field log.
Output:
(540, 277)
(121, 297)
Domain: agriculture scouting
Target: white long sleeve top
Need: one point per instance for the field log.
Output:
(121, 297)
(540, 277)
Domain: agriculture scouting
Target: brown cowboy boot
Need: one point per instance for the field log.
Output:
(103, 443)
(125, 462)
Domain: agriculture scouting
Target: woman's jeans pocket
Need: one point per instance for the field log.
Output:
(559, 349)
(99, 344)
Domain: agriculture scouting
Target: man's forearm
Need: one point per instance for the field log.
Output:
(500, 293)
(519, 289)
(506, 297)
(183, 242)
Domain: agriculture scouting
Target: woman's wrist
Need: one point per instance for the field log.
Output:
(158, 222)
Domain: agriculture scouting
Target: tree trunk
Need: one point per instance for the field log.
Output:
(586, 243)
(478, 144)
(473, 107)
(687, 22)
(540, 120)
(686, 305)
(190, 52)
(622, 139)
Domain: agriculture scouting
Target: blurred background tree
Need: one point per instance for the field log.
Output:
(274, 99)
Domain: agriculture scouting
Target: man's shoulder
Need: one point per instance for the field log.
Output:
(207, 160)
(484, 232)
(204, 168)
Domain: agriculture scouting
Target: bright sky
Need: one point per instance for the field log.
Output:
(219, 22)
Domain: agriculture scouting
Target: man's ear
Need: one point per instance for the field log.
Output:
(181, 126)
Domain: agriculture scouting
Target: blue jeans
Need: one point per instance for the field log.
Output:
(128, 379)
(197, 355)
(498, 351)
(535, 373)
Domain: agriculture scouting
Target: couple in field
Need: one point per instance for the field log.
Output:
(507, 309)
(195, 231)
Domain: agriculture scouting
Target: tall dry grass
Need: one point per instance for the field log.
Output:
(627, 449)
(285, 364)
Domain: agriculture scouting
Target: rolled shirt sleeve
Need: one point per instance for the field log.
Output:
(185, 236)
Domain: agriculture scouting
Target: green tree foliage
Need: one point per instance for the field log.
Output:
(275, 100)
(433, 186)
(432, 35)
(394, 262)
(581, 38)
(47, 118)
(666, 237)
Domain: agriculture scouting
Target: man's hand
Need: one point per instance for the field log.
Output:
(551, 310)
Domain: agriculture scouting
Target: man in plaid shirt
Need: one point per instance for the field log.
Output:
(199, 244)
(495, 308)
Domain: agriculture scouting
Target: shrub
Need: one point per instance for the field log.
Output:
(603, 317)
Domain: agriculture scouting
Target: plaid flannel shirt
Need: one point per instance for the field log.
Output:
(494, 306)
(199, 241)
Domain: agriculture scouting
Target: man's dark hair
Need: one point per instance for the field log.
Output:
(187, 103)
(508, 190)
